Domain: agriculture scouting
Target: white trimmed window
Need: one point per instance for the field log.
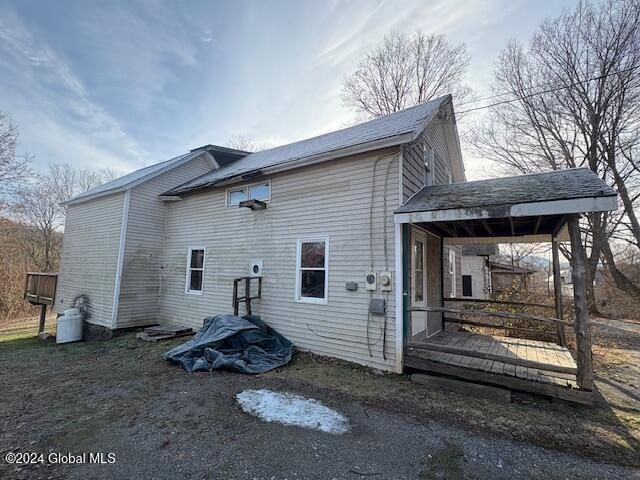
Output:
(312, 270)
(427, 158)
(257, 191)
(452, 271)
(195, 270)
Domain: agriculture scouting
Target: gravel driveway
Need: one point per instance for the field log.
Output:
(160, 422)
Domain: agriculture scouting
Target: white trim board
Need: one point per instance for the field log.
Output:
(119, 265)
(190, 250)
(298, 285)
(554, 207)
(399, 298)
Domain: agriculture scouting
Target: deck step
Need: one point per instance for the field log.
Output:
(470, 369)
(461, 386)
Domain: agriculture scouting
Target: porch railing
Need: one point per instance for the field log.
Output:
(506, 320)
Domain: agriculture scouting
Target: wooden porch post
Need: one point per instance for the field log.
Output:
(557, 288)
(581, 325)
(442, 280)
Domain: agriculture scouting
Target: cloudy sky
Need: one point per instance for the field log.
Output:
(124, 84)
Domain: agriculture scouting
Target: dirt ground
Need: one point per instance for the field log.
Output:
(120, 397)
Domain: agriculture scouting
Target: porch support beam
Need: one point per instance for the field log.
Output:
(557, 288)
(537, 227)
(442, 318)
(486, 226)
(584, 377)
(467, 228)
(447, 230)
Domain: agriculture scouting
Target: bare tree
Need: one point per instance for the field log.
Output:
(405, 71)
(14, 168)
(240, 141)
(65, 181)
(37, 208)
(572, 99)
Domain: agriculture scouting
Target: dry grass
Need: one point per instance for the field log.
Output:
(614, 303)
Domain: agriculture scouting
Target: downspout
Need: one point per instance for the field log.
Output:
(123, 236)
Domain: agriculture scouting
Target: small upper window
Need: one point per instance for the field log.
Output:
(261, 191)
(237, 196)
(195, 270)
(258, 191)
(312, 266)
(427, 158)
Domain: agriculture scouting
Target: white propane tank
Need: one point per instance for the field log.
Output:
(69, 326)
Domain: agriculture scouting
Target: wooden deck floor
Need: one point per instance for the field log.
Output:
(518, 364)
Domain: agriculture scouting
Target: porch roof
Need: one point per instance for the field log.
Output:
(521, 206)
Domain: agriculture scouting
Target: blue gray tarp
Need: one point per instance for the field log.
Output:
(242, 344)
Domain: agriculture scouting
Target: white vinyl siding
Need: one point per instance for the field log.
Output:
(476, 267)
(144, 242)
(330, 199)
(445, 170)
(90, 255)
(428, 163)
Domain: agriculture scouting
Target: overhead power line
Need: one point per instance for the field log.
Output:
(533, 94)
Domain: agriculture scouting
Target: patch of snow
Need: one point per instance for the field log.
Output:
(290, 409)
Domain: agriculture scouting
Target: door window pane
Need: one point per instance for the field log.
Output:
(419, 287)
(418, 256)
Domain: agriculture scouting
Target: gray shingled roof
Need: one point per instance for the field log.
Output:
(132, 177)
(410, 120)
(223, 156)
(539, 187)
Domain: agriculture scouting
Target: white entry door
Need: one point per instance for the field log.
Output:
(418, 294)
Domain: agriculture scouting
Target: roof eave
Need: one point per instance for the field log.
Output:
(302, 162)
(140, 180)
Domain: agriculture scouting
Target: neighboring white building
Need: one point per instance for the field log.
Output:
(476, 273)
